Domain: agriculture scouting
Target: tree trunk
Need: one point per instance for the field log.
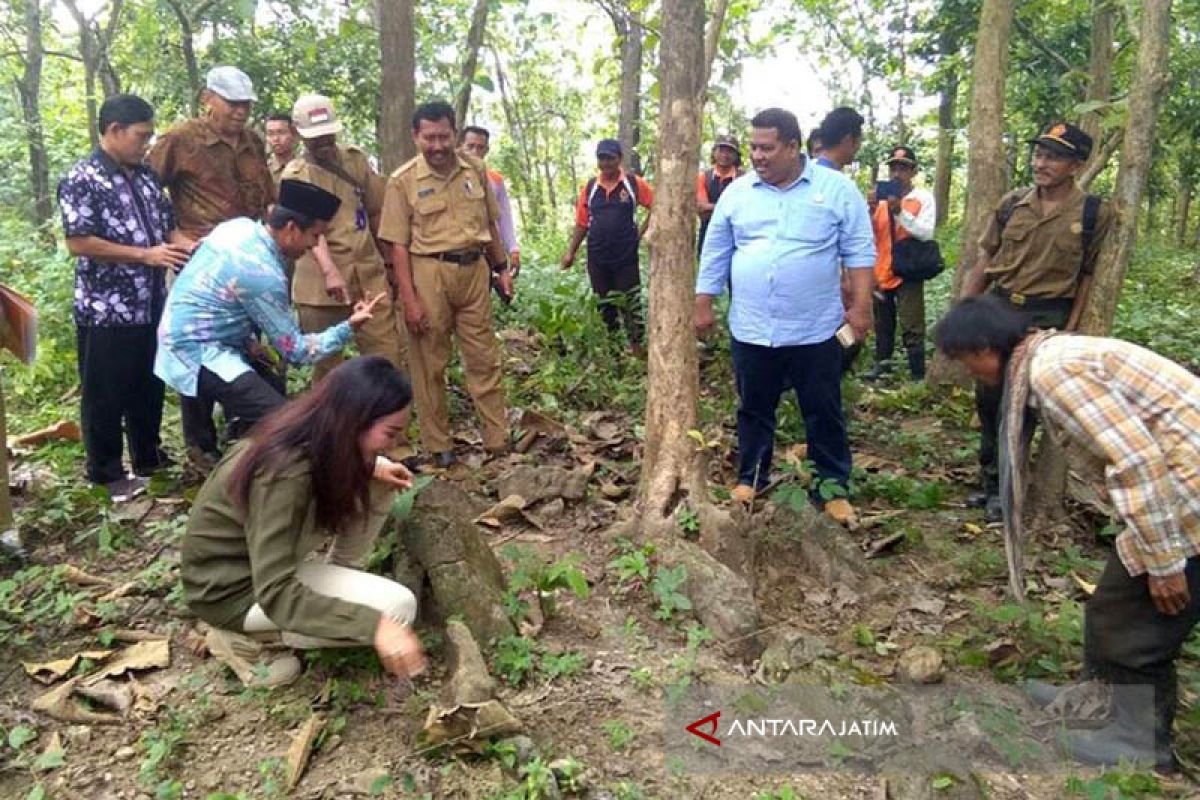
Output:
(29, 87)
(397, 81)
(944, 169)
(188, 46)
(672, 466)
(1099, 160)
(94, 46)
(986, 178)
(629, 125)
(712, 40)
(1100, 77)
(516, 126)
(470, 64)
(1145, 96)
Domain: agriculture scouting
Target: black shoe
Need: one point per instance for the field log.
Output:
(125, 489)
(876, 372)
(993, 511)
(445, 459)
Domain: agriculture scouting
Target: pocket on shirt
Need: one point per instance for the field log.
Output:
(811, 223)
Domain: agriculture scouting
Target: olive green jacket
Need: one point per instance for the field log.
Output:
(232, 560)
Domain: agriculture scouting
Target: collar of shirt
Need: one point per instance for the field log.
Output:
(1033, 199)
(822, 161)
(806, 175)
(110, 165)
(622, 176)
(210, 136)
(426, 171)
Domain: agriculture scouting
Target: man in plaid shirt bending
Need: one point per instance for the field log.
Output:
(1139, 414)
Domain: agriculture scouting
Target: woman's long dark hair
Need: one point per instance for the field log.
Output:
(323, 427)
(984, 322)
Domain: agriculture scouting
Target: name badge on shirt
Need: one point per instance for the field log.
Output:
(428, 190)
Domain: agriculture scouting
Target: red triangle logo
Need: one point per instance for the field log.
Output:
(711, 736)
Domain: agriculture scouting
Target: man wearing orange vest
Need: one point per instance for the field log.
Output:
(909, 212)
(726, 167)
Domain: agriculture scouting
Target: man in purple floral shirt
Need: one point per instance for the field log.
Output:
(121, 227)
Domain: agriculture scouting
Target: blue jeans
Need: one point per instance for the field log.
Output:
(763, 374)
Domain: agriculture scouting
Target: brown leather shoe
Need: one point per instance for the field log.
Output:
(840, 511)
(743, 494)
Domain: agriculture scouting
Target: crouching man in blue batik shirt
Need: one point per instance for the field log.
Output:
(237, 280)
(779, 237)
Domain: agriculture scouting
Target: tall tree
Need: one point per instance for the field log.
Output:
(628, 25)
(947, 99)
(29, 89)
(94, 46)
(397, 81)
(986, 171)
(1100, 68)
(470, 63)
(189, 19)
(1145, 98)
(672, 467)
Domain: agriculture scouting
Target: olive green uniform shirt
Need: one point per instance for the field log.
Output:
(276, 164)
(233, 559)
(1042, 256)
(351, 246)
(430, 214)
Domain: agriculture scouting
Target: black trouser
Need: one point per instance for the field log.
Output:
(119, 393)
(907, 304)
(1038, 314)
(247, 399)
(618, 290)
(1128, 642)
(763, 374)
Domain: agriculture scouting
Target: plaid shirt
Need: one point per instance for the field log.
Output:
(1140, 414)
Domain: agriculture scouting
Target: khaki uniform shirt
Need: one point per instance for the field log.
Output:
(209, 181)
(349, 235)
(1042, 256)
(232, 559)
(276, 164)
(430, 214)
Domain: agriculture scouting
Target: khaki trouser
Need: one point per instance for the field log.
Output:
(337, 576)
(457, 300)
(382, 335)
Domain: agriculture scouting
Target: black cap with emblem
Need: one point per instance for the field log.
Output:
(1066, 140)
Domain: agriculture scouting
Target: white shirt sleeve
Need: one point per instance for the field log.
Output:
(921, 224)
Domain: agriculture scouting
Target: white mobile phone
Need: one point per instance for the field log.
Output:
(845, 335)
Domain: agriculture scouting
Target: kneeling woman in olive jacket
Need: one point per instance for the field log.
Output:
(309, 472)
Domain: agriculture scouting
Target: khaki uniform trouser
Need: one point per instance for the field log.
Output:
(337, 576)
(382, 335)
(457, 300)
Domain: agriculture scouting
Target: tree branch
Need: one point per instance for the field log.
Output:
(1023, 29)
(712, 39)
(1100, 160)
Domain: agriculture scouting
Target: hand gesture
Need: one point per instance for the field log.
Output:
(166, 256)
(363, 309)
(399, 648)
(392, 473)
(1170, 593)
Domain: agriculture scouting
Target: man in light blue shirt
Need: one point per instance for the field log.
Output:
(237, 280)
(779, 237)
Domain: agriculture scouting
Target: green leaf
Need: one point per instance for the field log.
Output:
(484, 81)
(51, 759)
(36, 793)
(942, 782)
(20, 736)
(379, 784)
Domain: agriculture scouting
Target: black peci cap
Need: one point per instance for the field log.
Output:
(307, 199)
(608, 147)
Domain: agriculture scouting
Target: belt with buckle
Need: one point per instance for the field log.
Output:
(1019, 299)
(460, 257)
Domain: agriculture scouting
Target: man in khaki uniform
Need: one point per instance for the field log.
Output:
(281, 144)
(1037, 255)
(346, 266)
(440, 217)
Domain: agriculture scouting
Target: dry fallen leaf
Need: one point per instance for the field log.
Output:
(301, 749)
(49, 671)
(143, 655)
(510, 509)
(76, 576)
(1088, 588)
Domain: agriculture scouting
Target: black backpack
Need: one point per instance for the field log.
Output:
(913, 259)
